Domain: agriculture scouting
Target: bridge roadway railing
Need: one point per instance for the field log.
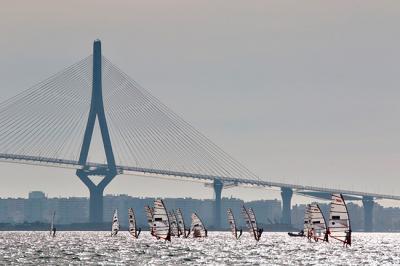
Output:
(62, 163)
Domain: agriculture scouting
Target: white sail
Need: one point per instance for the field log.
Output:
(173, 223)
(307, 221)
(115, 224)
(251, 223)
(132, 223)
(150, 218)
(197, 226)
(161, 225)
(181, 222)
(52, 223)
(232, 223)
(317, 221)
(339, 221)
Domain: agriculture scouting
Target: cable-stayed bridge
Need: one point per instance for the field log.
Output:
(52, 124)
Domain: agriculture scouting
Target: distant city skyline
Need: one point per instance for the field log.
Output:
(298, 92)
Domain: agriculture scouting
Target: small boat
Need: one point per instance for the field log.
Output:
(183, 231)
(161, 224)
(197, 227)
(115, 224)
(339, 227)
(150, 219)
(173, 223)
(232, 224)
(299, 234)
(132, 224)
(52, 228)
(317, 223)
(251, 222)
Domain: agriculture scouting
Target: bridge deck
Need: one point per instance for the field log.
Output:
(61, 163)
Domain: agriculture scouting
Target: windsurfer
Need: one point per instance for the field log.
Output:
(54, 231)
(347, 241)
(259, 233)
(327, 233)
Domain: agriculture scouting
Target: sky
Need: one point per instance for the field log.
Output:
(302, 92)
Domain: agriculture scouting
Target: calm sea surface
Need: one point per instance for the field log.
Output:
(93, 248)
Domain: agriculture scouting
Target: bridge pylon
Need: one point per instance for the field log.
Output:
(286, 194)
(368, 203)
(109, 171)
(218, 185)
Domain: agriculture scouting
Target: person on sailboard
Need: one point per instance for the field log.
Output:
(54, 231)
(327, 233)
(347, 241)
(240, 233)
(259, 233)
(301, 233)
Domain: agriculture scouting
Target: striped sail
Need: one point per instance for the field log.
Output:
(317, 221)
(174, 224)
(149, 215)
(307, 221)
(250, 220)
(181, 223)
(197, 226)
(232, 223)
(161, 224)
(339, 221)
(132, 223)
(115, 224)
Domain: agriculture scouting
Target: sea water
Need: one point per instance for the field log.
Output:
(219, 248)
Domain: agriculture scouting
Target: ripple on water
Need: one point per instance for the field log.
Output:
(93, 248)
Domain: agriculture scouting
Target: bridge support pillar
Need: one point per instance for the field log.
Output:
(218, 185)
(368, 203)
(96, 194)
(286, 194)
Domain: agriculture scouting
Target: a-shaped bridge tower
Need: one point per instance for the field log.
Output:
(108, 171)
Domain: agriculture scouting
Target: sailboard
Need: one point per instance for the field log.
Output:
(52, 224)
(150, 219)
(173, 223)
(232, 224)
(339, 227)
(132, 224)
(183, 231)
(251, 222)
(161, 223)
(317, 222)
(197, 227)
(115, 224)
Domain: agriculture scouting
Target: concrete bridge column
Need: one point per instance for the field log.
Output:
(286, 194)
(368, 203)
(218, 185)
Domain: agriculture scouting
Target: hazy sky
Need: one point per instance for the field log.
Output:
(298, 91)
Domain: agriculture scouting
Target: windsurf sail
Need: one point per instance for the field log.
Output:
(307, 222)
(132, 224)
(339, 227)
(52, 224)
(161, 223)
(149, 215)
(181, 224)
(174, 224)
(251, 222)
(115, 224)
(317, 222)
(197, 227)
(232, 224)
